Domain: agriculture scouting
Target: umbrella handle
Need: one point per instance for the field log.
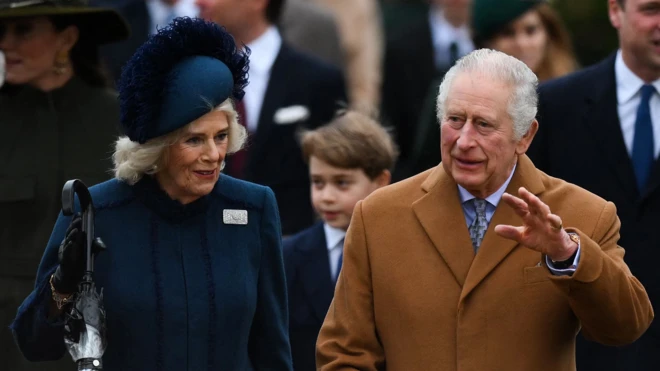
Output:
(69, 191)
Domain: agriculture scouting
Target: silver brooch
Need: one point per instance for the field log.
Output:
(239, 217)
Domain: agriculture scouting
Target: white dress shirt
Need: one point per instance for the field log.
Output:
(159, 12)
(628, 94)
(264, 51)
(443, 34)
(491, 204)
(334, 237)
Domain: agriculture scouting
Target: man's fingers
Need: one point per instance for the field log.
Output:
(536, 206)
(510, 232)
(555, 222)
(518, 205)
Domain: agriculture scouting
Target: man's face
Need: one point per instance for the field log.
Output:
(638, 23)
(477, 143)
(231, 14)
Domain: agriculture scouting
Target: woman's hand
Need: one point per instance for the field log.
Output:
(72, 258)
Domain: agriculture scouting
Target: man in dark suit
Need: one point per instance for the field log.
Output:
(287, 90)
(416, 58)
(600, 129)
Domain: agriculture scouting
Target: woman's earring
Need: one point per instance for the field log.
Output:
(61, 63)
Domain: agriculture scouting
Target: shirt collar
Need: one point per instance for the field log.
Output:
(333, 235)
(443, 32)
(264, 50)
(493, 199)
(159, 10)
(627, 83)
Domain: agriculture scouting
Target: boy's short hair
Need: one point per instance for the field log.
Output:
(352, 141)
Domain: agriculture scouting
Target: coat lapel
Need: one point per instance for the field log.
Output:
(602, 118)
(494, 249)
(440, 213)
(315, 272)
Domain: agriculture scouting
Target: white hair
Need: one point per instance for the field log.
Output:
(133, 160)
(497, 65)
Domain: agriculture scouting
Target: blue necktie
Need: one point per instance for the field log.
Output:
(340, 260)
(642, 153)
(480, 223)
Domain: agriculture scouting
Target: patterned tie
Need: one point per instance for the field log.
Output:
(642, 153)
(480, 223)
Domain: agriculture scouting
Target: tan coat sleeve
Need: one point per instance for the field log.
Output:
(348, 338)
(611, 304)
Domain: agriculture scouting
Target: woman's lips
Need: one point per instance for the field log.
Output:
(206, 174)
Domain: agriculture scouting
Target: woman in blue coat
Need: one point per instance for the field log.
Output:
(192, 272)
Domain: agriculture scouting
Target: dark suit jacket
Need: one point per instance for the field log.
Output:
(310, 290)
(408, 72)
(580, 141)
(274, 157)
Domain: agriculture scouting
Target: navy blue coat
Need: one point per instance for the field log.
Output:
(310, 289)
(182, 290)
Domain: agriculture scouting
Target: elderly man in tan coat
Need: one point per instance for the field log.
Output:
(484, 262)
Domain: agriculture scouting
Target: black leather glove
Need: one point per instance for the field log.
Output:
(72, 257)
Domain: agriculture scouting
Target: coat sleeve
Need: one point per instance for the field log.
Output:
(39, 338)
(269, 347)
(611, 304)
(348, 337)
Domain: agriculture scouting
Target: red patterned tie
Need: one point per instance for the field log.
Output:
(236, 163)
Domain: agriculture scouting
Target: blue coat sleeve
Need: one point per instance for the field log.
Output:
(269, 347)
(39, 338)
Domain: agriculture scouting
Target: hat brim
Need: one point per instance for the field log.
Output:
(102, 25)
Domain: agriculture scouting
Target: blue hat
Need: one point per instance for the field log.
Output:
(173, 78)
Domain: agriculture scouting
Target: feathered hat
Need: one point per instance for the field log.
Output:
(173, 78)
(489, 16)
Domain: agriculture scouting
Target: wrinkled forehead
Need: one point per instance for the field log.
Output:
(478, 87)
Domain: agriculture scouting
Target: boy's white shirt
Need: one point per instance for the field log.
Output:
(334, 238)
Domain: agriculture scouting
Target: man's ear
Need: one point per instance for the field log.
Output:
(614, 11)
(526, 140)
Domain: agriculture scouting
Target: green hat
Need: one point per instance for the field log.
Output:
(490, 16)
(100, 24)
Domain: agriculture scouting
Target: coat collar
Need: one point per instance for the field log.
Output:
(439, 212)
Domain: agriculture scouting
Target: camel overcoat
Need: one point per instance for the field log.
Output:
(412, 295)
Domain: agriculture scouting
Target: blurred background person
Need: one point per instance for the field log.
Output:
(144, 17)
(59, 120)
(2, 68)
(529, 30)
(311, 28)
(416, 58)
(288, 90)
(361, 31)
(600, 129)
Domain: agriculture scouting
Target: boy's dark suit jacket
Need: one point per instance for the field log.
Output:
(580, 141)
(274, 158)
(310, 290)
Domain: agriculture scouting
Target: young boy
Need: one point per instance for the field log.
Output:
(348, 159)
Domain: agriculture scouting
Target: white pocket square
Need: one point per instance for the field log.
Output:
(291, 114)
